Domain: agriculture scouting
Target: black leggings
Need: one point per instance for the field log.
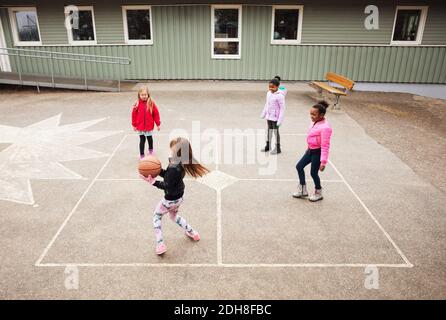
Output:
(272, 127)
(313, 157)
(142, 142)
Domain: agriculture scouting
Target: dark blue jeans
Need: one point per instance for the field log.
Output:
(313, 157)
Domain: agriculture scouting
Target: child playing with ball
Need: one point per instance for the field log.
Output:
(318, 141)
(273, 112)
(181, 161)
(145, 115)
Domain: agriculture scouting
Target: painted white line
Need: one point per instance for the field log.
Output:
(192, 134)
(239, 179)
(133, 179)
(219, 236)
(219, 229)
(44, 253)
(284, 180)
(154, 265)
(373, 217)
(229, 265)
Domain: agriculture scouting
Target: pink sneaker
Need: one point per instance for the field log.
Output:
(194, 235)
(160, 249)
(141, 157)
(151, 151)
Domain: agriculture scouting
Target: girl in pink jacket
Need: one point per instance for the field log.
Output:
(318, 141)
(274, 111)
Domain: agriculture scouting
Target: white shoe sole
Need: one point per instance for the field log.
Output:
(299, 197)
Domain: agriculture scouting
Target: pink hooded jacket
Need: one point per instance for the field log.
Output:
(275, 106)
(319, 135)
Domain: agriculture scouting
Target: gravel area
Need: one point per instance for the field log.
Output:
(411, 126)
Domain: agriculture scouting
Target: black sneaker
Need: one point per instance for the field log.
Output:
(266, 148)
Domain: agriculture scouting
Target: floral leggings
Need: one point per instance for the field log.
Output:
(171, 207)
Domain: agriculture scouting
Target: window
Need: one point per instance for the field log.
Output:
(82, 31)
(409, 25)
(226, 31)
(286, 24)
(137, 24)
(25, 26)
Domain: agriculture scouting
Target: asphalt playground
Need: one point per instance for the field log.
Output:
(71, 204)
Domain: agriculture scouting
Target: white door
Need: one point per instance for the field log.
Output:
(4, 59)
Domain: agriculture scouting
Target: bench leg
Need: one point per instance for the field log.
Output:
(336, 104)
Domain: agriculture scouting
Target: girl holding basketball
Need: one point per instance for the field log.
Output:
(145, 115)
(181, 161)
(318, 141)
(273, 112)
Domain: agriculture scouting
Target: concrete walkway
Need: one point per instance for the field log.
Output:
(90, 212)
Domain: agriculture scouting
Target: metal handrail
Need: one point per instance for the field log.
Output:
(54, 55)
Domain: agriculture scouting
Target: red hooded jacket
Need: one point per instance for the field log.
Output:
(142, 119)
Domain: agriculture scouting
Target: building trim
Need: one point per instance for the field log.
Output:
(421, 26)
(126, 32)
(239, 29)
(4, 59)
(14, 30)
(73, 42)
(299, 25)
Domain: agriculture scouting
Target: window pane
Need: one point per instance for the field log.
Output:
(27, 26)
(285, 24)
(138, 24)
(85, 31)
(406, 26)
(226, 48)
(226, 23)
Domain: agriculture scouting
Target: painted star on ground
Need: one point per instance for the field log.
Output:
(37, 151)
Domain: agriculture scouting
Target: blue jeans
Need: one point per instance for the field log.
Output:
(313, 157)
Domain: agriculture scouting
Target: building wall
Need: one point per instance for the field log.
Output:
(333, 39)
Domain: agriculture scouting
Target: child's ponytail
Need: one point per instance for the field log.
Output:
(150, 104)
(182, 152)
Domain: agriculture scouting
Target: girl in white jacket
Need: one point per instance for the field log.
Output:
(274, 111)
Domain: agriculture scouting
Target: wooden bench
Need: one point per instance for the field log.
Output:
(346, 84)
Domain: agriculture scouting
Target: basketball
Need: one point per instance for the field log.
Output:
(149, 165)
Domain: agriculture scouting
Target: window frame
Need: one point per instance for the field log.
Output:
(73, 42)
(420, 31)
(299, 25)
(239, 7)
(15, 31)
(126, 32)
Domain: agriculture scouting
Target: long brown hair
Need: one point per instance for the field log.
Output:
(149, 99)
(182, 151)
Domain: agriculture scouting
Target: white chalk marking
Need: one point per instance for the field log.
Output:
(219, 230)
(229, 265)
(44, 253)
(372, 216)
(220, 263)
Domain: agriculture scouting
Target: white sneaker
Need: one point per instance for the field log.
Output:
(316, 196)
(301, 192)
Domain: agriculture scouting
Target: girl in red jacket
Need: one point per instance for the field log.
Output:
(144, 117)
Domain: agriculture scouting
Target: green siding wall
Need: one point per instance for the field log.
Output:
(324, 22)
(182, 45)
(51, 22)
